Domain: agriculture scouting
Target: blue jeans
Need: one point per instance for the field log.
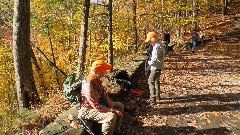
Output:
(194, 43)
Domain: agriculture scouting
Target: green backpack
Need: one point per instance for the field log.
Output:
(72, 88)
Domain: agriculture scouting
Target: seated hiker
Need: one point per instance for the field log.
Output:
(96, 105)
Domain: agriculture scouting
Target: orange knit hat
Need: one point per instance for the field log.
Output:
(100, 65)
(151, 35)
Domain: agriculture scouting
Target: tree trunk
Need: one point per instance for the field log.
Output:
(110, 42)
(83, 38)
(40, 75)
(178, 25)
(178, 31)
(134, 9)
(194, 23)
(52, 53)
(25, 83)
(162, 19)
(224, 8)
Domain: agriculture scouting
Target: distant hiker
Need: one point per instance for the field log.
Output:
(194, 40)
(157, 65)
(201, 36)
(149, 48)
(166, 39)
(96, 105)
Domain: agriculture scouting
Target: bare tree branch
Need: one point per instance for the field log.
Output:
(49, 61)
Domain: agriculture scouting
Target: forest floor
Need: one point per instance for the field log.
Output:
(200, 92)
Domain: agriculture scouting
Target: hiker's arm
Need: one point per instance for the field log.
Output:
(109, 102)
(92, 99)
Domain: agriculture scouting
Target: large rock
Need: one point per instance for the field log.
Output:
(60, 126)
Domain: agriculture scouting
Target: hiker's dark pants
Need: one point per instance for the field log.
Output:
(154, 84)
(166, 46)
(194, 44)
(202, 40)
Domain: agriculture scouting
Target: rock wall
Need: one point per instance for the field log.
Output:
(60, 126)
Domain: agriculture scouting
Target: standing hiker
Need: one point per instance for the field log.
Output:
(194, 40)
(157, 65)
(96, 105)
(201, 36)
(166, 39)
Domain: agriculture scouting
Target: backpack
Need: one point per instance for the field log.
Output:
(72, 88)
(120, 76)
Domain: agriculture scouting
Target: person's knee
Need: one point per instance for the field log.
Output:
(119, 106)
(112, 117)
(108, 124)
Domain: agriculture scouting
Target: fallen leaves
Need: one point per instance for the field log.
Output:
(199, 92)
(193, 123)
(237, 116)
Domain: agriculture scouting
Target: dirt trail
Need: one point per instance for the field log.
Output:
(200, 93)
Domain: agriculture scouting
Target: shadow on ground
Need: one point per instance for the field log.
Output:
(165, 130)
(227, 97)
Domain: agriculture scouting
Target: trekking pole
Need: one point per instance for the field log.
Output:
(82, 123)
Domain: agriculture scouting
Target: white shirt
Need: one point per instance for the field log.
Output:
(158, 54)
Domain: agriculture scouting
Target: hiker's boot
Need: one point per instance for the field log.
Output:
(159, 99)
(152, 101)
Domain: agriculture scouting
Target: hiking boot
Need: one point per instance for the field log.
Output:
(152, 101)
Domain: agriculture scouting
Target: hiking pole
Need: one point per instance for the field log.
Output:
(82, 123)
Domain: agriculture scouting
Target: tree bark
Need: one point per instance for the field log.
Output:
(83, 38)
(40, 75)
(178, 26)
(53, 57)
(110, 42)
(224, 8)
(134, 8)
(25, 83)
(162, 19)
(194, 23)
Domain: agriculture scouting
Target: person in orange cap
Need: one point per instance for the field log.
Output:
(96, 105)
(156, 63)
